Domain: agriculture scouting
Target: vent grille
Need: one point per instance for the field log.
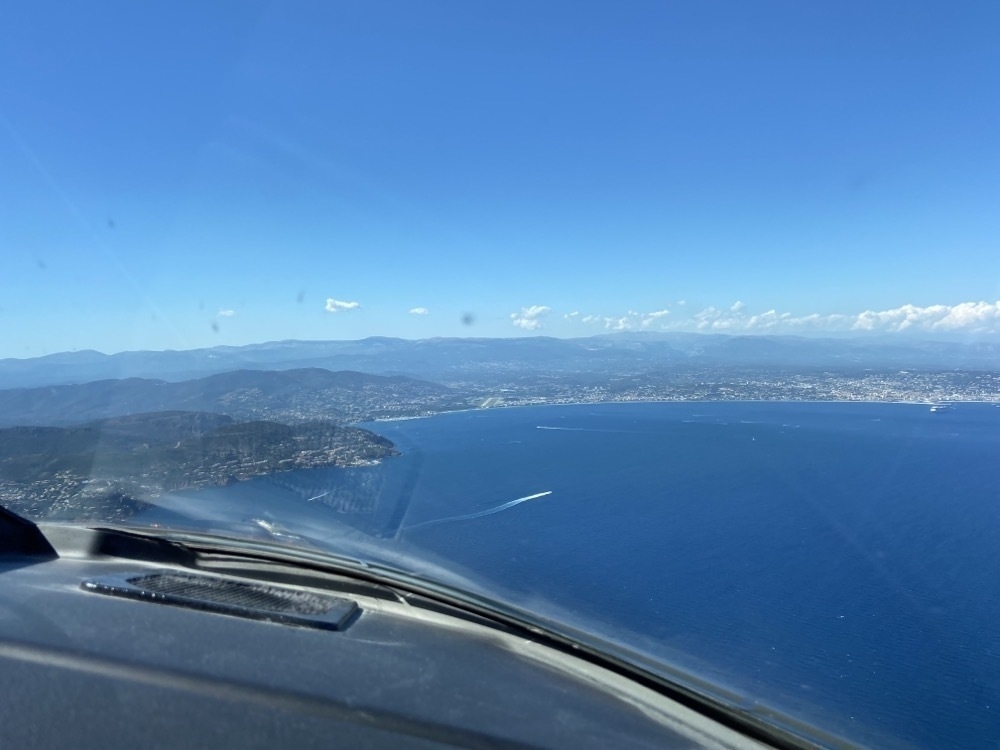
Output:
(234, 593)
(258, 601)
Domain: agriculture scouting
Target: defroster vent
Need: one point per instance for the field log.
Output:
(250, 599)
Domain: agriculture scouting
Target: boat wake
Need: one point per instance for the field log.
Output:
(587, 429)
(479, 514)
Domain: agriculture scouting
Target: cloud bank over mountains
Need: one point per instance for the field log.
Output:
(966, 317)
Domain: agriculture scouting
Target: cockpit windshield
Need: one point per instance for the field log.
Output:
(673, 325)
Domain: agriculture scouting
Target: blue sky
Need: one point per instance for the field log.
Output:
(184, 174)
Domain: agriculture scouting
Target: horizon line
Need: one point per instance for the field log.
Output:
(913, 337)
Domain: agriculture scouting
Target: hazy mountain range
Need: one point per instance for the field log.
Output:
(288, 396)
(489, 359)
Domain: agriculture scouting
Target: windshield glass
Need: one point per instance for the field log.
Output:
(673, 325)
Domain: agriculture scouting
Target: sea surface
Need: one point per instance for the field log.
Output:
(838, 561)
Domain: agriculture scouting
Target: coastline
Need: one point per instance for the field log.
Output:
(951, 403)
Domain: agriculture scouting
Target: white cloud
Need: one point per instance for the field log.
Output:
(336, 305)
(627, 322)
(528, 317)
(965, 317)
(651, 318)
(735, 320)
(971, 314)
(769, 319)
(419, 311)
(226, 313)
(974, 317)
(968, 317)
(630, 321)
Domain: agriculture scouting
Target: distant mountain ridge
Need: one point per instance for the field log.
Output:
(458, 359)
(287, 396)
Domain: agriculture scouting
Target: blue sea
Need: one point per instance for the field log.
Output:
(837, 561)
